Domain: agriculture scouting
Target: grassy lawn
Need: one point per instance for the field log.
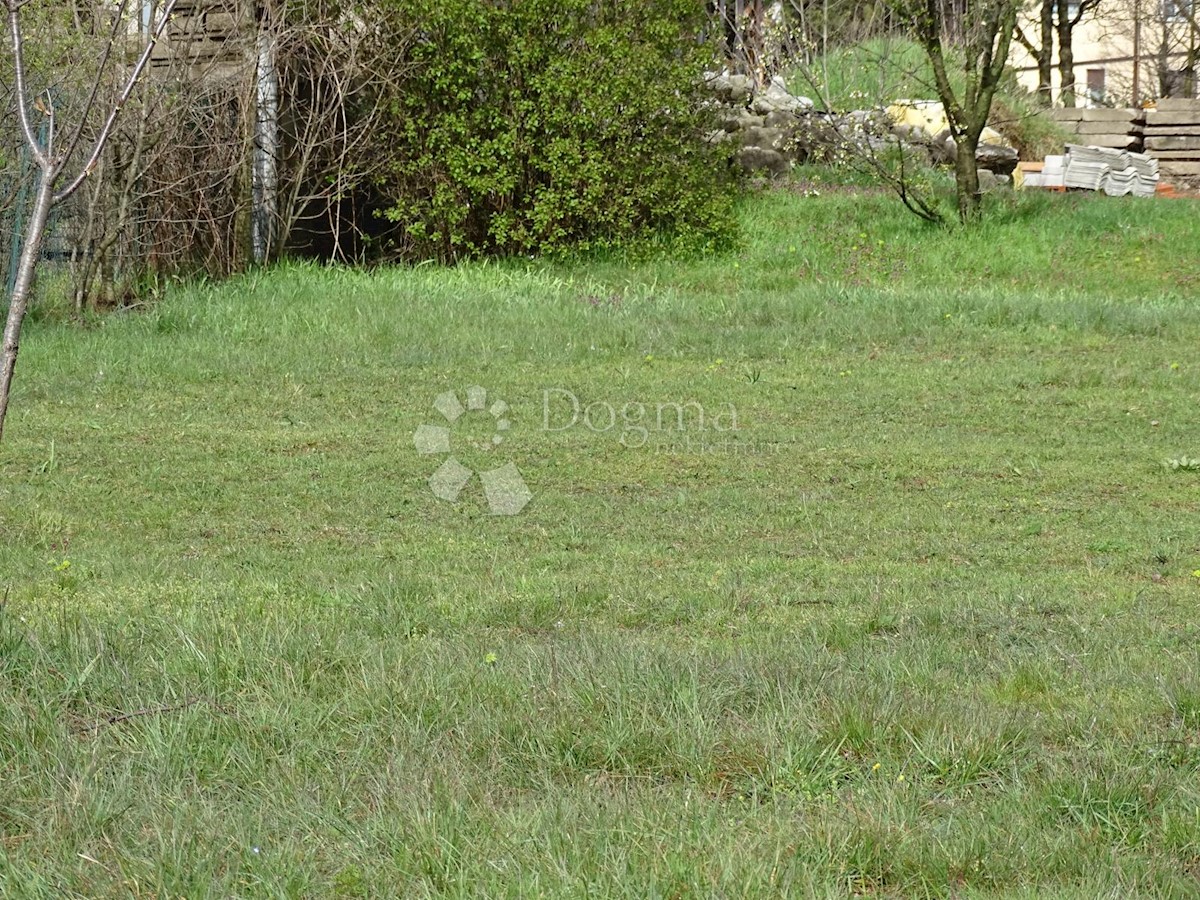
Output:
(924, 624)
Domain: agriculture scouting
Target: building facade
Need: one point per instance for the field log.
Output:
(1126, 52)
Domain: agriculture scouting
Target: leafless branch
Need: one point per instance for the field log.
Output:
(118, 18)
(17, 47)
(115, 111)
(140, 713)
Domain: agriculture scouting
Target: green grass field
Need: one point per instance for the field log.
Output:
(924, 624)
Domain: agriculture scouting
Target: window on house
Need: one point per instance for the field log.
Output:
(1073, 9)
(1095, 86)
(1176, 10)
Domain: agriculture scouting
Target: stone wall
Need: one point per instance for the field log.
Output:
(774, 129)
(764, 123)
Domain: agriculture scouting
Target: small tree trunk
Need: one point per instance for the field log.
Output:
(1066, 70)
(265, 174)
(1066, 55)
(50, 168)
(966, 176)
(1045, 57)
(31, 250)
(1188, 86)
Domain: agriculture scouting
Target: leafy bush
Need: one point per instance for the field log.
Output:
(543, 125)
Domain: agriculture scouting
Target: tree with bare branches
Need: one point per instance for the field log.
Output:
(1068, 14)
(247, 139)
(54, 183)
(967, 51)
(1042, 50)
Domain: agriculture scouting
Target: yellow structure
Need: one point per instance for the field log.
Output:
(930, 116)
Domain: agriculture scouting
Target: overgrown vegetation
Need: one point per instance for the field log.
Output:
(175, 192)
(887, 73)
(879, 70)
(534, 127)
(924, 625)
(387, 130)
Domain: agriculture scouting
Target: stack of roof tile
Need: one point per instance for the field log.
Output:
(1116, 172)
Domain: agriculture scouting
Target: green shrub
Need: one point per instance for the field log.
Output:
(547, 125)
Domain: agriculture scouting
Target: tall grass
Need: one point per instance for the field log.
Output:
(922, 626)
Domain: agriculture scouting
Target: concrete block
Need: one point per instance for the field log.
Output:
(1107, 115)
(1176, 154)
(1086, 127)
(1172, 117)
(1170, 130)
(1178, 104)
(1173, 143)
(1120, 141)
(1179, 168)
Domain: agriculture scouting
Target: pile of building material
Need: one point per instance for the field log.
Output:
(1048, 174)
(1172, 136)
(1117, 128)
(1115, 172)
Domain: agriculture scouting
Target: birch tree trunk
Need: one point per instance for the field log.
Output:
(19, 304)
(51, 162)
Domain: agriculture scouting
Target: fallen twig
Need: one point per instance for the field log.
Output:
(150, 711)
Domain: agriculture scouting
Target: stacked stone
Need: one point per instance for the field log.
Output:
(763, 122)
(774, 129)
(1172, 136)
(1118, 129)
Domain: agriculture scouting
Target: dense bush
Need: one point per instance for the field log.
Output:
(542, 125)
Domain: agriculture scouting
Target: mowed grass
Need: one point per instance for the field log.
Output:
(925, 624)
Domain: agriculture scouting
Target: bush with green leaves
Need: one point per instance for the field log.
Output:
(543, 126)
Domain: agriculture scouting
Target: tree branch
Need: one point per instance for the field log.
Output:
(150, 711)
(123, 97)
(18, 52)
(91, 101)
(1025, 42)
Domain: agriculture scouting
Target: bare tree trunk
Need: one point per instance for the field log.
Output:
(1189, 69)
(19, 304)
(265, 178)
(981, 58)
(1042, 52)
(1066, 55)
(966, 176)
(1045, 59)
